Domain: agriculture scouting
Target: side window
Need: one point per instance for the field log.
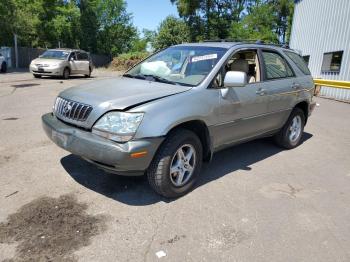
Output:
(246, 61)
(275, 66)
(82, 56)
(299, 61)
(72, 55)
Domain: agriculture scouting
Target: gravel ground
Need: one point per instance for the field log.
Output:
(254, 202)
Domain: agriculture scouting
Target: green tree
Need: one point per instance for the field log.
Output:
(241, 19)
(140, 44)
(170, 32)
(258, 23)
(283, 11)
(89, 25)
(116, 32)
(66, 25)
(19, 17)
(210, 19)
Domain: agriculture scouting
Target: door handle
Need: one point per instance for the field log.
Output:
(261, 92)
(295, 86)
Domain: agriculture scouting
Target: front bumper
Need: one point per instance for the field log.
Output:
(106, 154)
(46, 71)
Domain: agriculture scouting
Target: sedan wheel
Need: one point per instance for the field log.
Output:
(66, 73)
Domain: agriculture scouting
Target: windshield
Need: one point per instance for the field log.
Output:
(55, 54)
(181, 65)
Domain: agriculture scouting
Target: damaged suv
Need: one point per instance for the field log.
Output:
(171, 112)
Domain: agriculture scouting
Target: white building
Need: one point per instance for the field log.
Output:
(321, 32)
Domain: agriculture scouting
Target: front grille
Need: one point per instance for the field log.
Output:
(68, 109)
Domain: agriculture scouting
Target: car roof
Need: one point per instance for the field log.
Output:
(67, 50)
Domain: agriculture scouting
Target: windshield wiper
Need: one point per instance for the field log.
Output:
(128, 75)
(161, 79)
(134, 76)
(157, 78)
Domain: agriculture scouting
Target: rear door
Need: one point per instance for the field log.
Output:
(83, 62)
(281, 87)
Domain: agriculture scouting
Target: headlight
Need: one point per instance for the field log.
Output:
(118, 126)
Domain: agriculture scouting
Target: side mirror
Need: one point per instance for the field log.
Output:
(235, 79)
(71, 59)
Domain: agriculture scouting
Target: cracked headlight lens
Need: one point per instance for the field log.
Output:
(118, 126)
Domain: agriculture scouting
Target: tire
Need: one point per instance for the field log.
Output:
(66, 73)
(37, 76)
(291, 133)
(161, 179)
(3, 67)
(89, 75)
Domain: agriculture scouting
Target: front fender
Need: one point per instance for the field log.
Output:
(163, 115)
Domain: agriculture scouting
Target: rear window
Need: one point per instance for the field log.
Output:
(299, 61)
(276, 66)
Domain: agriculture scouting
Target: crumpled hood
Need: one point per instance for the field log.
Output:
(119, 93)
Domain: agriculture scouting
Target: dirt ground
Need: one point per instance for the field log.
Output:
(254, 202)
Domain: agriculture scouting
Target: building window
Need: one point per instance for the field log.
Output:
(332, 62)
(306, 59)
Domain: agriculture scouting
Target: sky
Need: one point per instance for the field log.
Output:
(149, 13)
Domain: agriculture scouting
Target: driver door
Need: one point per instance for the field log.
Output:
(242, 109)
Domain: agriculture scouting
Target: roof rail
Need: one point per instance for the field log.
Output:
(250, 41)
(233, 40)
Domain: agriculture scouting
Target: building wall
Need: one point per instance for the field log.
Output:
(321, 26)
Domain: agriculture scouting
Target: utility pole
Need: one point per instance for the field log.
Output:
(16, 50)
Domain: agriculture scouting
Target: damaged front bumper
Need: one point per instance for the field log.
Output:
(111, 156)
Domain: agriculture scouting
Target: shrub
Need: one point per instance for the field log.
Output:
(127, 60)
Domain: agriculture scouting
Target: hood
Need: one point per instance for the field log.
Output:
(45, 61)
(118, 94)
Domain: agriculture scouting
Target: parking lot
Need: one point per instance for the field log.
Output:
(254, 202)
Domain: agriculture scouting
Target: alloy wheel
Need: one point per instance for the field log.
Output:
(183, 165)
(295, 128)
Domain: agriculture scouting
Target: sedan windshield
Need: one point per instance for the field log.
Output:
(179, 65)
(55, 54)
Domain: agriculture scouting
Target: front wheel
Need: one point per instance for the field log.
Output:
(66, 73)
(290, 135)
(177, 164)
